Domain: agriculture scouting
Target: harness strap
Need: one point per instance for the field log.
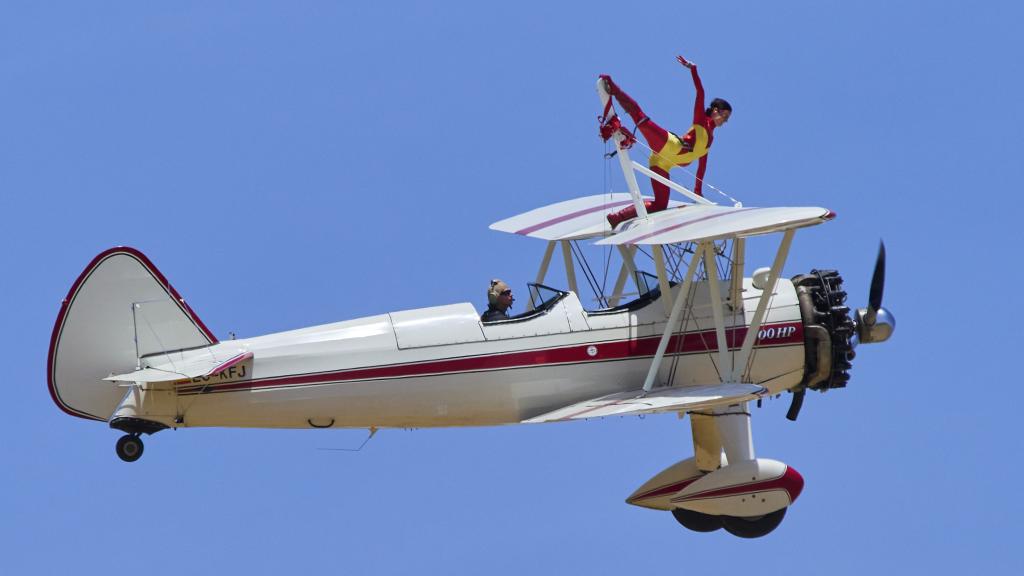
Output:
(609, 126)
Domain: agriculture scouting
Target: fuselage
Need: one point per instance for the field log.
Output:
(441, 366)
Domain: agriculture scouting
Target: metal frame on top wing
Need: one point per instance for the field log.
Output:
(664, 229)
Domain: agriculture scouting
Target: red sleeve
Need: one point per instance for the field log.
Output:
(698, 103)
(700, 175)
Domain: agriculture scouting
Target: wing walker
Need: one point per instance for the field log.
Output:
(696, 338)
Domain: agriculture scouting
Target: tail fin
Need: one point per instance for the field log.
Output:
(120, 309)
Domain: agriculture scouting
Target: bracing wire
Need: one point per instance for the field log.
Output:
(645, 253)
(577, 253)
(704, 182)
(607, 267)
(156, 336)
(684, 322)
(724, 261)
(372, 432)
(606, 172)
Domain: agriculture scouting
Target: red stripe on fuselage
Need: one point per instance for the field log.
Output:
(692, 342)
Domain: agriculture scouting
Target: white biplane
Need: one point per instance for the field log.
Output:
(698, 339)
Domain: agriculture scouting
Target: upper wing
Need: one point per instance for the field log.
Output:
(569, 220)
(703, 222)
(665, 400)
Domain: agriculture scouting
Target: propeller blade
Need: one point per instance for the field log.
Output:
(796, 404)
(878, 280)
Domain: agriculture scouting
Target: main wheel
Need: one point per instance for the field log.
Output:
(753, 527)
(129, 447)
(697, 521)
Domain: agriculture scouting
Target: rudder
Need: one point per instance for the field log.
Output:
(119, 309)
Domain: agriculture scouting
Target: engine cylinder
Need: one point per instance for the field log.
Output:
(828, 329)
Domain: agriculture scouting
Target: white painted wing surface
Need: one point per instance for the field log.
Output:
(665, 400)
(694, 223)
(569, 220)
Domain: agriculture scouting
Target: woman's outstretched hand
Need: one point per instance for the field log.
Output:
(685, 62)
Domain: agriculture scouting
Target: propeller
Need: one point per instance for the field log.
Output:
(872, 324)
(875, 323)
(877, 287)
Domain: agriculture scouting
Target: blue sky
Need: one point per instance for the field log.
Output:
(295, 163)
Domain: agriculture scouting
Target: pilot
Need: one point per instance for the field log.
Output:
(670, 150)
(499, 300)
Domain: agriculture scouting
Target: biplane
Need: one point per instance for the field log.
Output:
(695, 338)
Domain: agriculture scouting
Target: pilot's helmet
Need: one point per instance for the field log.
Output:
(497, 287)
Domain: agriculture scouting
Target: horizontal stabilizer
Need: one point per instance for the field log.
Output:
(569, 220)
(207, 365)
(665, 400)
(693, 223)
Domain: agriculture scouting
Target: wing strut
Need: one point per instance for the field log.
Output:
(673, 318)
(762, 305)
(570, 269)
(544, 264)
(685, 192)
(628, 270)
(736, 371)
(736, 277)
(711, 266)
(663, 282)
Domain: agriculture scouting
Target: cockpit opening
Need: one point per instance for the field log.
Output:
(542, 299)
(648, 291)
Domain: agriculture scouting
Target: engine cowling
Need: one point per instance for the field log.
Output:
(828, 330)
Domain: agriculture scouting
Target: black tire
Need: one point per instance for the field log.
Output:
(753, 527)
(697, 521)
(129, 448)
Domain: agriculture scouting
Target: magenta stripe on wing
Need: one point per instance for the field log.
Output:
(578, 213)
(684, 224)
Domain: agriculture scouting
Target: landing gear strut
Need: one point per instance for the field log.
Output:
(129, 447)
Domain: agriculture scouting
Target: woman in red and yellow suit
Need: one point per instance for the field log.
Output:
(669, 149)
